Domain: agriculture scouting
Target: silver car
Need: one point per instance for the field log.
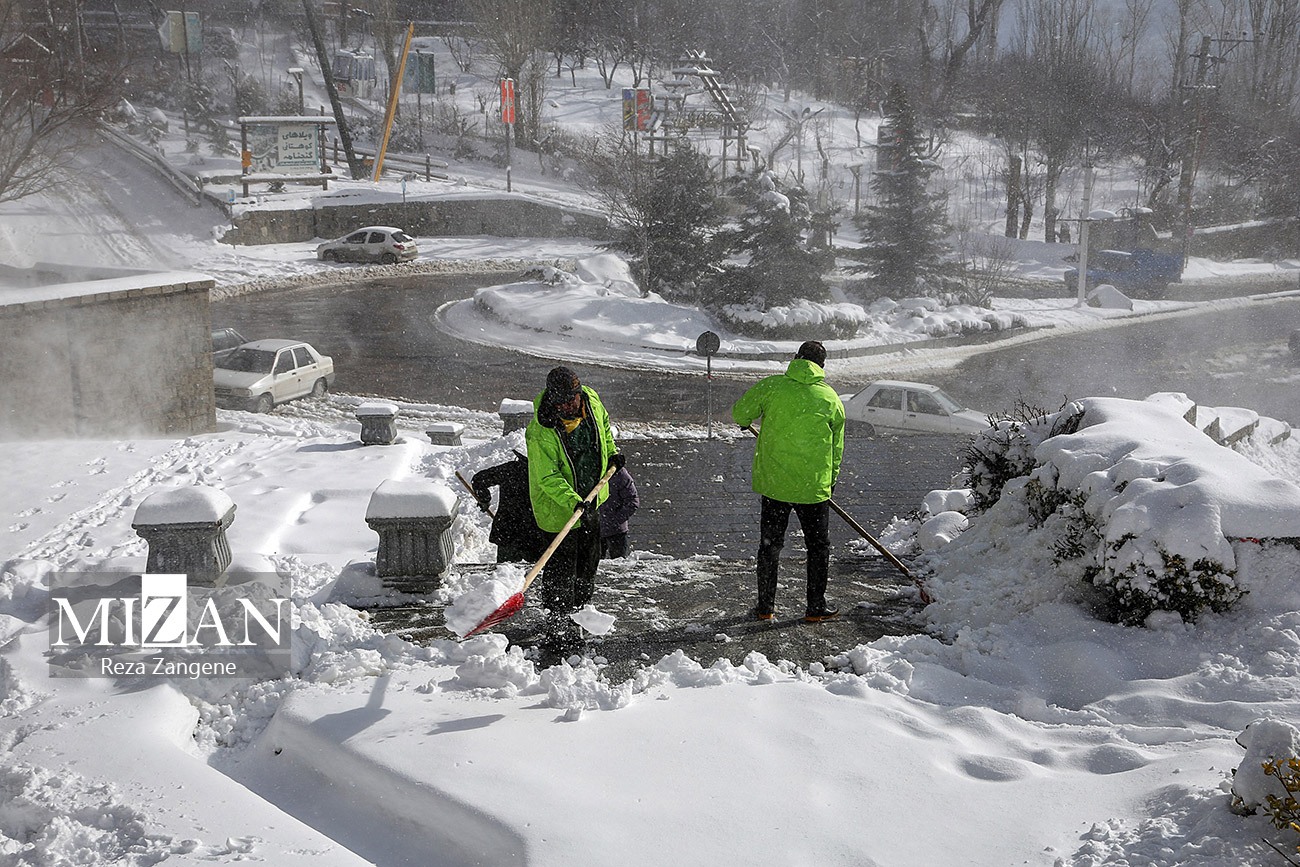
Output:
(385, 245)
(265, 373)
(897, 407)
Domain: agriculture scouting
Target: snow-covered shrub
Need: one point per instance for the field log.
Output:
(1006, 450)
(1269, 775)
(794, 321)
(1284, 811)
(1140, 577)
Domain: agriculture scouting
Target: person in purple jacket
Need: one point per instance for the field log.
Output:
(614, 514)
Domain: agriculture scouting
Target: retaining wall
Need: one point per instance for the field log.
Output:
(507, 217)
(109, 361)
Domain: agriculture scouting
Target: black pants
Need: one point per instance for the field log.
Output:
(814, 520)
(569, 577)
(613, 547)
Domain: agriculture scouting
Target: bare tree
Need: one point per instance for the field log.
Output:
(1065, 95)
(959, 27)
(515, 32)
(52, 89)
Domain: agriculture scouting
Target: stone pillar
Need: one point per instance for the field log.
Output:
(413, 518)
(378, 423)
(186, 531)
(445, 433)
(515, 414)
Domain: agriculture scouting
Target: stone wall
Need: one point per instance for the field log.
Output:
(102, 361)
(506, 217)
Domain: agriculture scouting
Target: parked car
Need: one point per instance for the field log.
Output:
(260, 375)
(224, 340)
(892, 406)
(382, 244)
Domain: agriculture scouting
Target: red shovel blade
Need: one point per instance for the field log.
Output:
(505, 611)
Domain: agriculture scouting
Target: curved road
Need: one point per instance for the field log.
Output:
(384, 342)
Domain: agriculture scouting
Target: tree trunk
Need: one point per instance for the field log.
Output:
(1013, 195)
(1049, 202)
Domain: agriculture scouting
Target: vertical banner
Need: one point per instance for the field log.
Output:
(637, 106)
(643, 105)
(507, 100)
(193, 33)
(629, 108)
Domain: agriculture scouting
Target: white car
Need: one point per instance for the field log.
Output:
(382, 244)
(260, 375)
(896, 407)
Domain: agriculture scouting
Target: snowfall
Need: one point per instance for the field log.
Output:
(1017, 729)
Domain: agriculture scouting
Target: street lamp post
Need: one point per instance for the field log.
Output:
(419, 100)
(296, 72)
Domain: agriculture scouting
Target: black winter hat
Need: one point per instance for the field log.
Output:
(812, 350)
(562, 384)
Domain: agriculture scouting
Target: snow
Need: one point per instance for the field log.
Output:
(189, 505)
(376, 408)
(469, 609)
(1018, 729)
(411, 498)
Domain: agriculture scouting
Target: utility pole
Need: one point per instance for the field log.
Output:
(1188, 174)
(355, 168)
(1083, 228)
(1187, 177)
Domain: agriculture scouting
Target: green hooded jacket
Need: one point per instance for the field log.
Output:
(801, 441)
(551, 470)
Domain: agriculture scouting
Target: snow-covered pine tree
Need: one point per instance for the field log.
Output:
(670, 224)
(905, 231)
(773, 233)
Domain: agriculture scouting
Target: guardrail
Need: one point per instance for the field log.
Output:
(394, 162)
(182, 182)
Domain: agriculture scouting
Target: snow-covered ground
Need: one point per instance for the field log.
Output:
(1021, 729)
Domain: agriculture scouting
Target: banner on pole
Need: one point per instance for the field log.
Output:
(507, 100)
(637, 106)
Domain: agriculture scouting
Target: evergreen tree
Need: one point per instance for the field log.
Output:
(773, 233)
(905, 232)
(668, 223)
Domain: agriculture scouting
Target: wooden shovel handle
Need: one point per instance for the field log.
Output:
(470, 488)
(573, 519)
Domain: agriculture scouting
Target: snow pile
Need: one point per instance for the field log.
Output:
(471, 608)
(191, 504)
(411, 498)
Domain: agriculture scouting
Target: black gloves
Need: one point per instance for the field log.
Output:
(618, 460)
(590, 518)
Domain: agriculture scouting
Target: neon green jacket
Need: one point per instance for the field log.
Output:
(801, 441)
(550, 469)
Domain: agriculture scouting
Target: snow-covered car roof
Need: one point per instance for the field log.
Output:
(273, 344)
(900, 383)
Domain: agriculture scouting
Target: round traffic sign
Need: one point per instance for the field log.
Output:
(707, 343)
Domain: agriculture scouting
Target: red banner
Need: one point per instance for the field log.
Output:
(507, 100)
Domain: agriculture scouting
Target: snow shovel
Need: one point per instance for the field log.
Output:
(875, 543)
(470, 488)
(515, 603)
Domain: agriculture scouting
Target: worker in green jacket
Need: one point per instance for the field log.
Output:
(570, 446)
(796, 465)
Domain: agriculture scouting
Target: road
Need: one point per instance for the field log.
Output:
(384, 342)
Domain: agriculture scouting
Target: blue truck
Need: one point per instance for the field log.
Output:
(1125, 251)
